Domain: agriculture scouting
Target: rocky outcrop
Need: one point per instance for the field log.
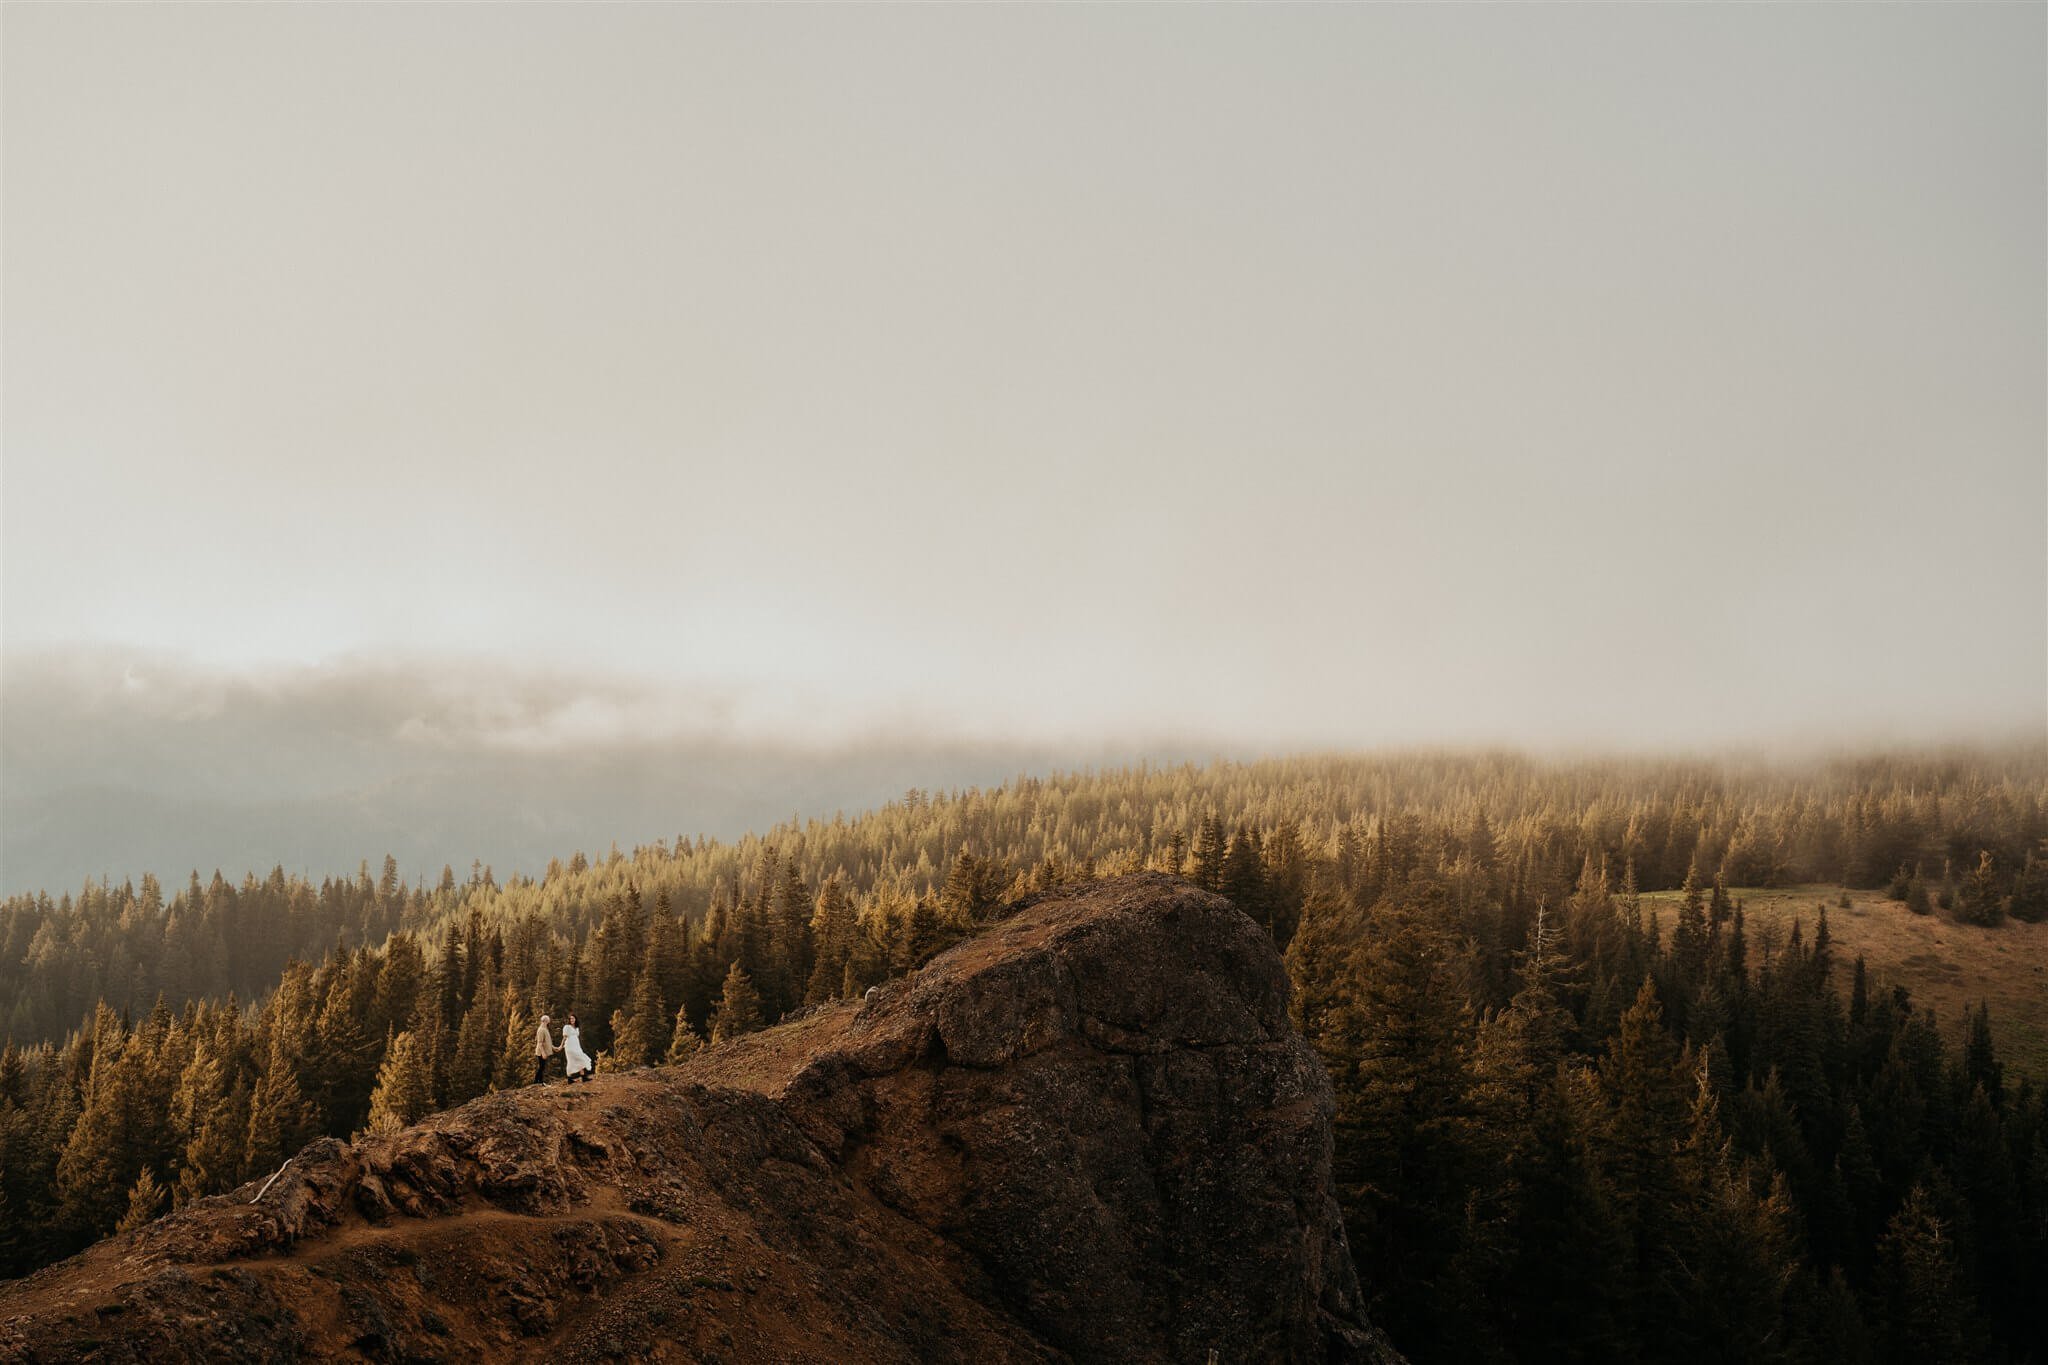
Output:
(1089, 1133)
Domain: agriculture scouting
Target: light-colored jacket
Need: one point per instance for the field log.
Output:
(543, 1044)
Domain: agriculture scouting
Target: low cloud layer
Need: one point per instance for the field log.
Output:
(115, 764)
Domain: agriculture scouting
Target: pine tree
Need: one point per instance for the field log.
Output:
(925, 936)
(437, 1043)
(1207, 871)
(277, 1116)
(620, 946)
(1243, 877)
(1980, 901)
(405, 1091)
(160, 1051)
(448, 974)
(1318, 967)
(790, 951)
(213, 1156)
(1733, 1262)
(1645, 1088)
(751, 927)
(398, 986)
(1564, 1279)
(13, 1073)
(638, 1030)
(475, 1056)
(2029, 900)
(973, 889)
(668, 949)
(1924, 1308)
(1287, 873)
(1981, 1067)
(1990, 1190)
(145, 1202)
(833, 931)
(473, 961)
(1834, 1328)
(345, 1060)
(1174, 858)
(1689, 933)
(739, 1007)
(1400, 1056)
(628, 1047)
(515, 1049)
(1901, 879)
(477, 1042)
(98, 1164)
(685, 1042)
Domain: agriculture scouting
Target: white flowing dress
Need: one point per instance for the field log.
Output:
(572, 1050)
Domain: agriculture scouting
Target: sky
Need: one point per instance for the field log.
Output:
(1279, 377)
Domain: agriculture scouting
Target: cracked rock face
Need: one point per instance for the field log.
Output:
(1089, 1133)
(1103, 1101)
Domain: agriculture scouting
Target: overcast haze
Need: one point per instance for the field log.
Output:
(1086, 379)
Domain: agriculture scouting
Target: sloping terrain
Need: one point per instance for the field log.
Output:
(1088, 1134)
(1948, 967)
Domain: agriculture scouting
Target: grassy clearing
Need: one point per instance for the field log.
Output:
(1946, 966)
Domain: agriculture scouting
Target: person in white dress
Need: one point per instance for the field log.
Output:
(573, 1055)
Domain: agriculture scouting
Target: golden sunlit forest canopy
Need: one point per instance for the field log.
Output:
(1587, 1098)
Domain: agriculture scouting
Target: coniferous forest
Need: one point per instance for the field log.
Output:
(1564, 1131)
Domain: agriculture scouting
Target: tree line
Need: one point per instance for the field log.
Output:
(1939, 823)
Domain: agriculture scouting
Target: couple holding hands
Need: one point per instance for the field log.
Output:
(573, 1056)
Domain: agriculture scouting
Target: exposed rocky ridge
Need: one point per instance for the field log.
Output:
(1088, 1134)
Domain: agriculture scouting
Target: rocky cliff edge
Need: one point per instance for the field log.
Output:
(1089, 1133)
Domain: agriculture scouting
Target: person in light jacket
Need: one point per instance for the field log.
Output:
(572, 1052)
(543, 1048)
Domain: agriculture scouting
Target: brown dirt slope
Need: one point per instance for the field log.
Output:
(1088, 1134)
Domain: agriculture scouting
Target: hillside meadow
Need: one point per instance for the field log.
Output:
(1947, 967)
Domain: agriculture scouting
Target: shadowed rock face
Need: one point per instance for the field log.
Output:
(1088, 1134)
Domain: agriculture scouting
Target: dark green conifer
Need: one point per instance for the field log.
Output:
(739, 1007)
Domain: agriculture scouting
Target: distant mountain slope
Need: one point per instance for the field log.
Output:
(510, 815)
(115, 768)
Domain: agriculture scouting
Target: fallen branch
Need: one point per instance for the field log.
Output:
(272, 1181)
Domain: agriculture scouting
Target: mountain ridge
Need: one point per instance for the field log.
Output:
(1088, 1132)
